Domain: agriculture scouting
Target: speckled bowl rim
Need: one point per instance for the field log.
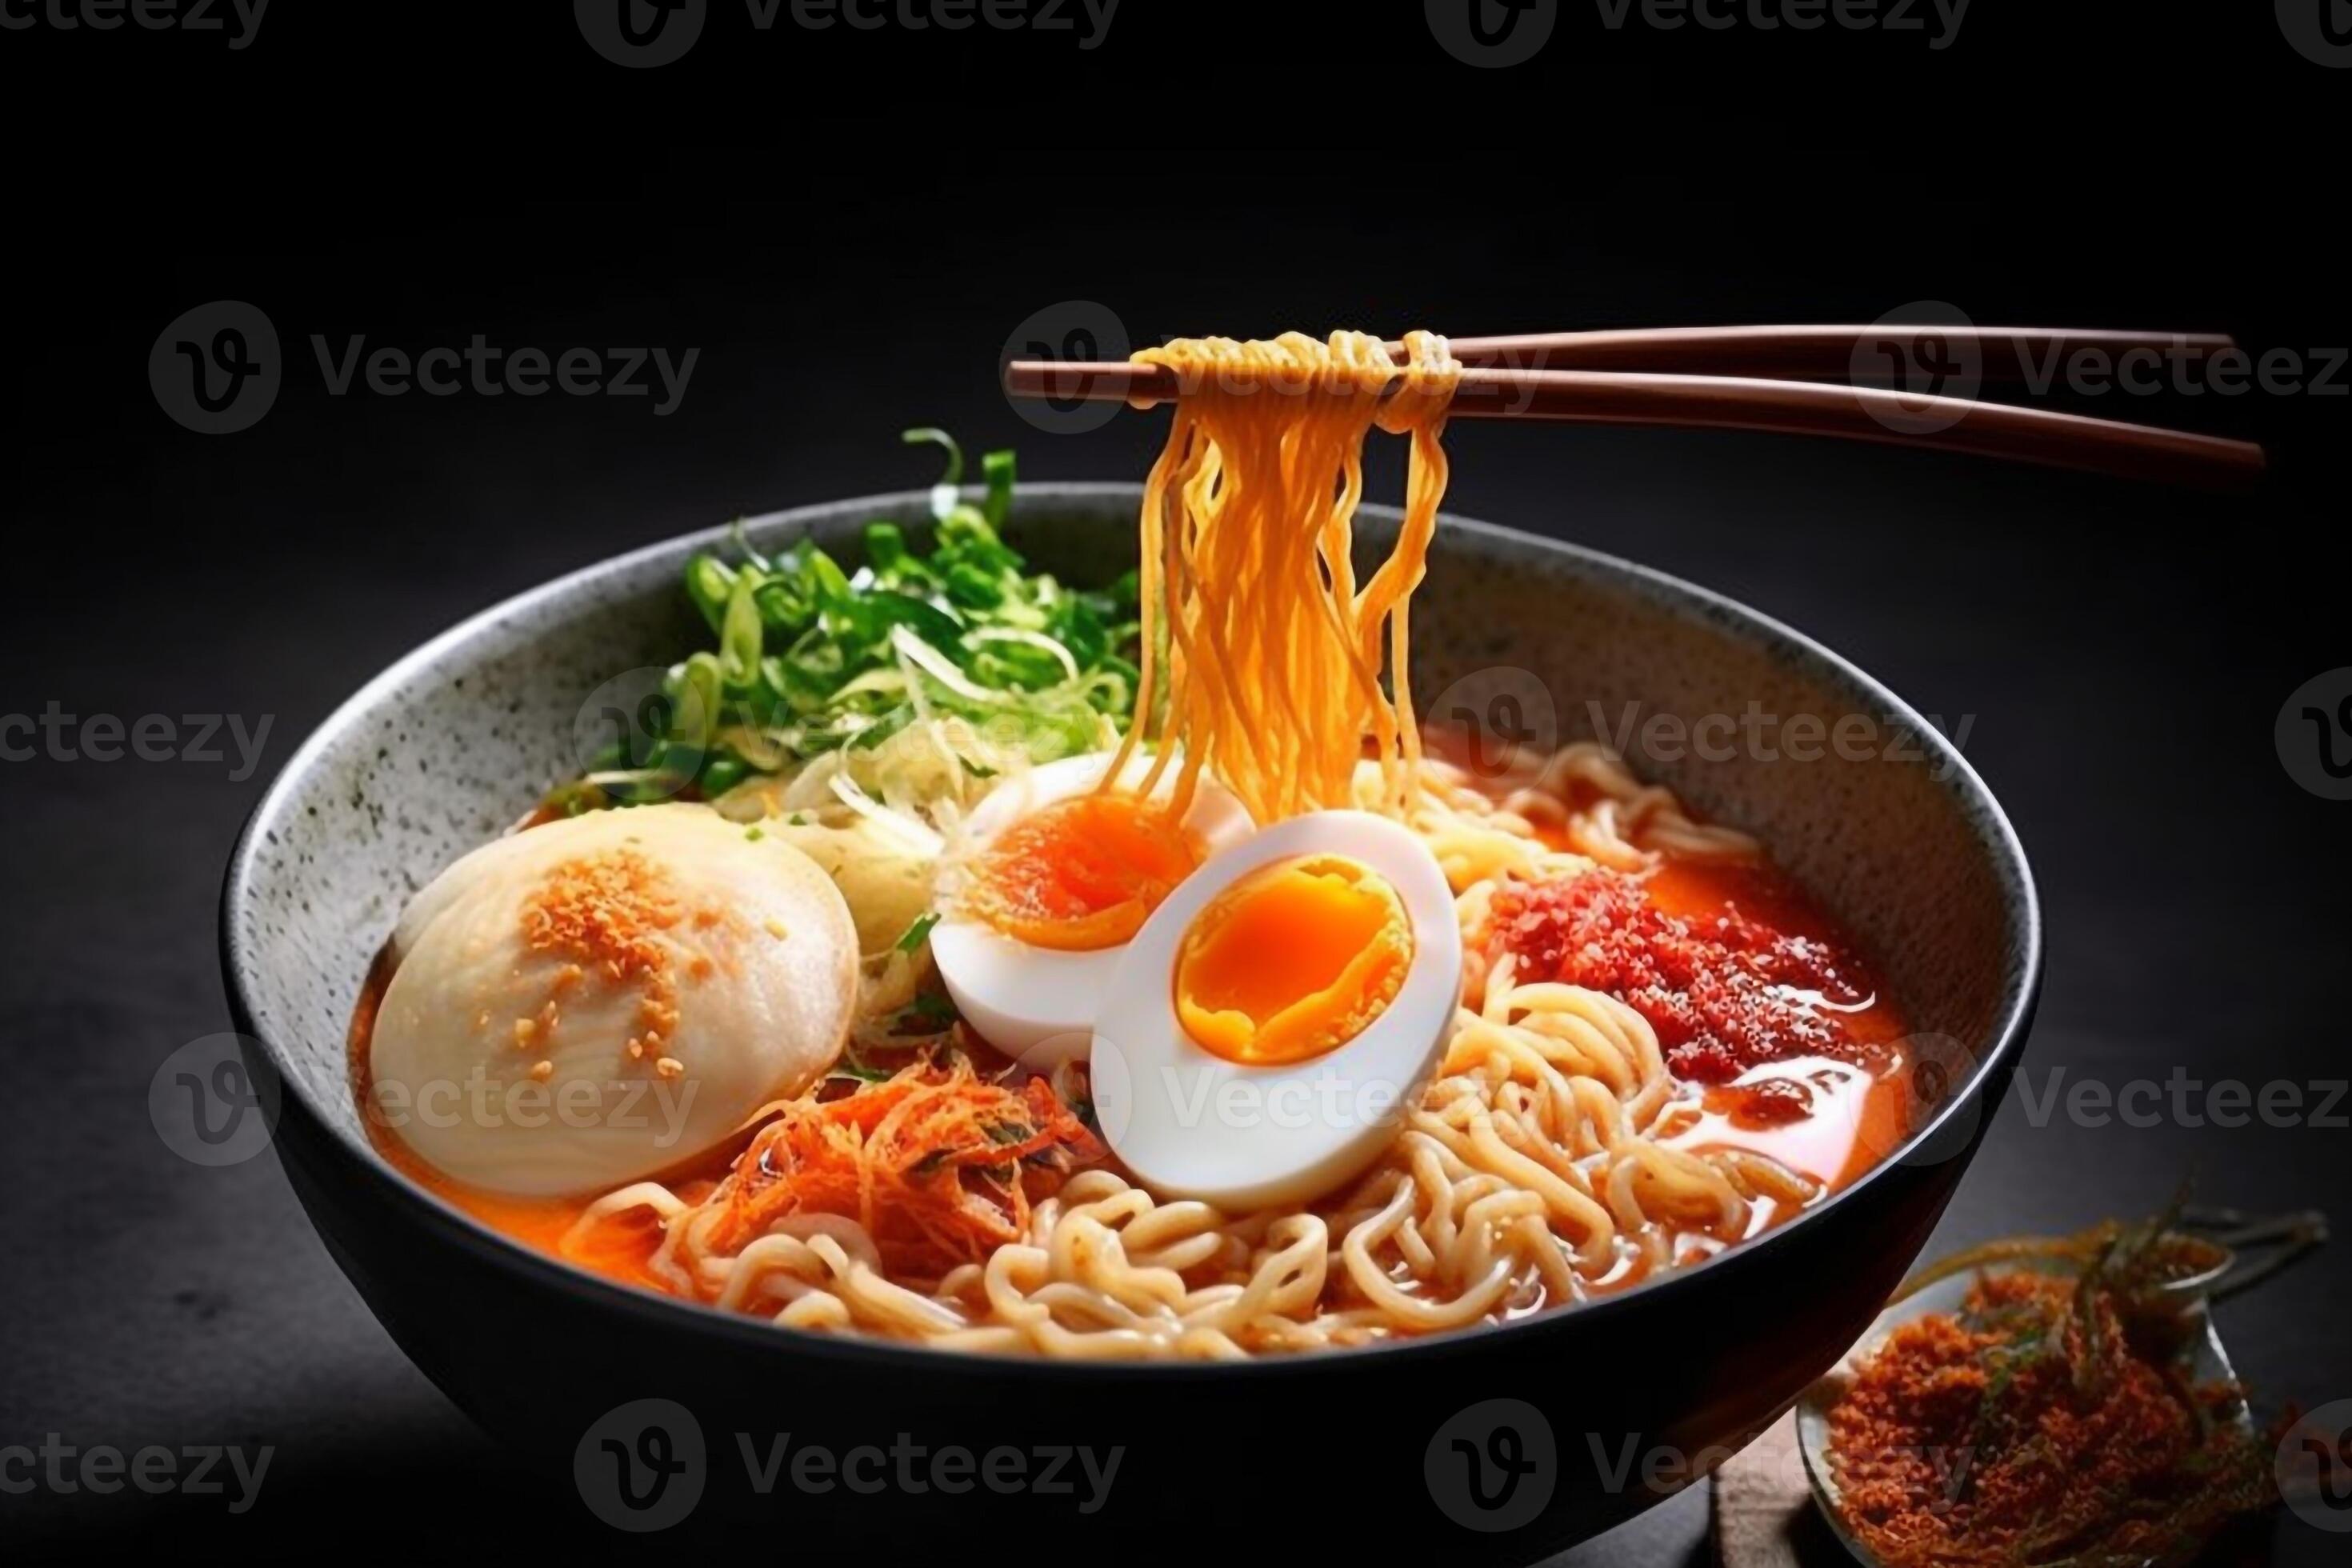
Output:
(2022, 969)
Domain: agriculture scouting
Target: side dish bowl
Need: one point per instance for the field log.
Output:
(451, 745)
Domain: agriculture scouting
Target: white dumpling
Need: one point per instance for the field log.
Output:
(595, 1001)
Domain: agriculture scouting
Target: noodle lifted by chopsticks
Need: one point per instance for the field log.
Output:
(1267, 649)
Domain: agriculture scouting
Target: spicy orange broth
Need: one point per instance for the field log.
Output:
(1870, 1108)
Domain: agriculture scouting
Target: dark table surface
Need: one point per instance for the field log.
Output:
(2121, 652)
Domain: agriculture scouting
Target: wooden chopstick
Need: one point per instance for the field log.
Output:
(1881, 415)
(2003, 355)
(1748, 403)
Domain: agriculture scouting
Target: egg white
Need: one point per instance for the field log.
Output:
(763, 967)
(1034, 1003)
(1192, 1124)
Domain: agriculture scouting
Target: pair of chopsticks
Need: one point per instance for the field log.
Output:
(1791, 380)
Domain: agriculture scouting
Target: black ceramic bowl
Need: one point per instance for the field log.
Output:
(1631, 1396)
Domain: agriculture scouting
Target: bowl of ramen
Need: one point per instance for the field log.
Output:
(1100, 1004)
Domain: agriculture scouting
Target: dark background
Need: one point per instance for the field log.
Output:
(848, 227)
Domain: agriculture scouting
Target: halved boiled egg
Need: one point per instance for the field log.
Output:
(1277, 1012)
(1057, 878)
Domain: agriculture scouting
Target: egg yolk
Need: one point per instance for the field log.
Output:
(1082, 874)
(1293, 961)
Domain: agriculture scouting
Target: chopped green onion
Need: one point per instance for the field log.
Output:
(722, 773)
(943, 494)
(709, 583)
(996, 469)
(808, 658)
(740, 635)
(854, 1067)
(919, 933)
(742, 542)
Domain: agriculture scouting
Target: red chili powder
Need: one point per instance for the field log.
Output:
(1726, 992)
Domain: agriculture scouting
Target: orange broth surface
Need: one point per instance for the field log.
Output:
(1859, 1102)
(1860, 1113)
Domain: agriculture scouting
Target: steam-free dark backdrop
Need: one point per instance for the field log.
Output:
(2119, 651)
